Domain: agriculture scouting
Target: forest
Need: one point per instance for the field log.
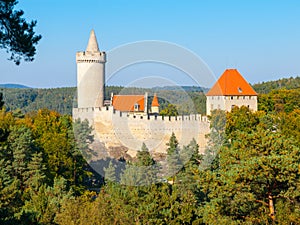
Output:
(249, 173)
(62, 100)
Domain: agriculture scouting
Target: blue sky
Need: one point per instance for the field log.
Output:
(259, 38)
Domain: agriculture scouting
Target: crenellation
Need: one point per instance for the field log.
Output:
(117, 128)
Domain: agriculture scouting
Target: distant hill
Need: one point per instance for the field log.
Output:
(185, 88)
(13, 86)
(31, 99)
(63, 100)
(284, 83)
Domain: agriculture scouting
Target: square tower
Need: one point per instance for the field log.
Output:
(229, 91)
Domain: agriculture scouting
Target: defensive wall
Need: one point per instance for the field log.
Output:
(118, 129)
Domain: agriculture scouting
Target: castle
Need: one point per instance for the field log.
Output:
(229, 91)
(125, 121)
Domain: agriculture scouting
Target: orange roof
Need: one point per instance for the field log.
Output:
(231, 83)
(155, 101)
(125, 103)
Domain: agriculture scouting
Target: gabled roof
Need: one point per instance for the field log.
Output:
(92, 44)
(155, 101)
(125, 103)
(231, 83)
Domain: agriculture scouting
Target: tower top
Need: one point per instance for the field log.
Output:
(93, 44)
(231, 83)
(155, 101)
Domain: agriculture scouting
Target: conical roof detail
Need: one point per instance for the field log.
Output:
(93, 44)
(155, 101)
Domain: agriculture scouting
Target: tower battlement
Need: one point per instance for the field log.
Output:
(116, 129)
(90, 57)
(125, 122)
(82, 114)
(90, 75)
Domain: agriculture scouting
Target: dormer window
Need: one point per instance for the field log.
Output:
(240, 90)
(136, 107)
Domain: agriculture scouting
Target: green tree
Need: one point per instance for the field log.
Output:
(22, 146)
(216, 139)
(9, 194)
(83, 138)
(144, 157)
(257, 175)
(43, 205)
(170, 110)
(16, 34)
(82, 210)
(174, 163)
(1, 101)
(110, 172)
(35, 173)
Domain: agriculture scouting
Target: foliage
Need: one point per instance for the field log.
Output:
(284, 83)
(249, 173)
(216, 139)
(39, 166)
(258, 172)
(16, 34)
(170, 110)
(174, 163)
(29, 99)
(1, 100)
(280, 101)
(63, 100)
(143, 172)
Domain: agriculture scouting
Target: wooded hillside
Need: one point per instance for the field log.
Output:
(63, 100)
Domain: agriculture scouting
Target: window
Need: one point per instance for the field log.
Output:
(232, 106)
(240, 90)
(231, 97)
(136, 107)
(212, 106)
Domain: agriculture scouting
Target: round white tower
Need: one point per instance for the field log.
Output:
(90, 75)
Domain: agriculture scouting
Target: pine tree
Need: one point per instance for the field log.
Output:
(22, 146)
(258, 173)
(144, 157)
(16, 34)
(110, 172)
(9, 194)
(35, 172)
(216, 139)
(44, 204)
(174, 163)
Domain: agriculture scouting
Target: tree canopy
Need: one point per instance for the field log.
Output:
(17, 35)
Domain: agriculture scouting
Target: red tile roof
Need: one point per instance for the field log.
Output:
(231, 83)
(125, 103)
(155, 101)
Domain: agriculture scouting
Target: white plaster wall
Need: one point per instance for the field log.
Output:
(248, 101)
(225, 102)
(218, 102)
(90, 79)
(116, 131)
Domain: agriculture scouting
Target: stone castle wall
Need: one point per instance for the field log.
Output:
(116, 129)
